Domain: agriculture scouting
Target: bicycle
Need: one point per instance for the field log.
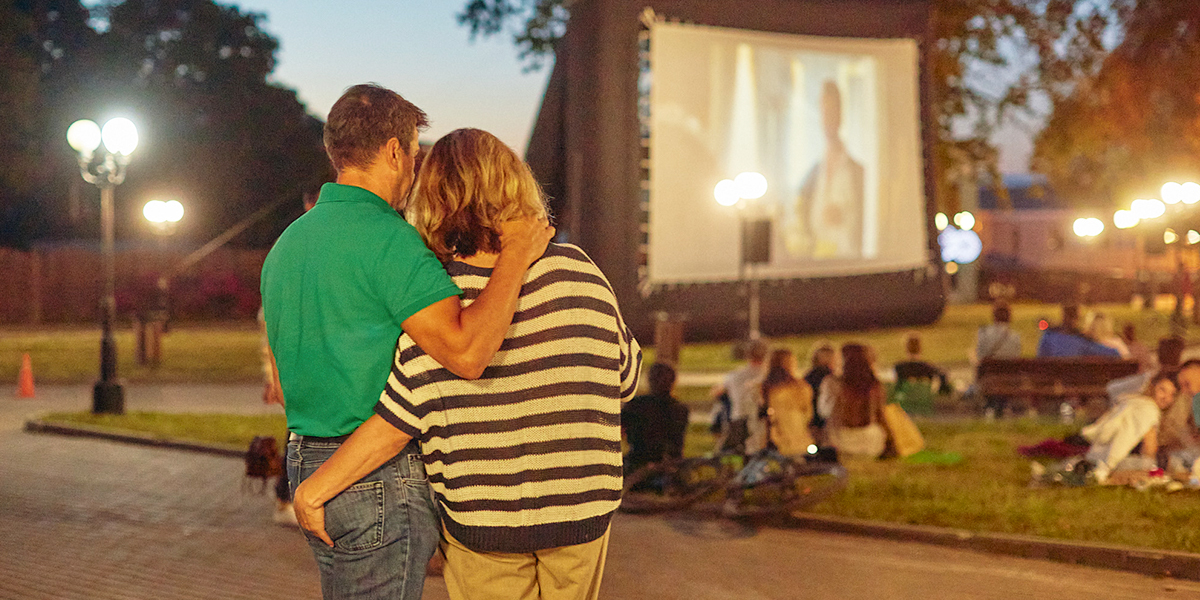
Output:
(766, 483)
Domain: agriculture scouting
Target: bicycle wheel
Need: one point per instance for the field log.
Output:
(673, 485)
(800, 486)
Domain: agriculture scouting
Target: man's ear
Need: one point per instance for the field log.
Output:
(394, 154)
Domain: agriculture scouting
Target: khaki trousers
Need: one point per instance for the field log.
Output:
(567, 573)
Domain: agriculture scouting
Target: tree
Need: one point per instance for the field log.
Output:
(1061, 40)
(224, 139)
(1135, 123)
(193, 76)
(43, 44)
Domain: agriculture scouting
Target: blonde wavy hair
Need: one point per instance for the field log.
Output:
(469, 184)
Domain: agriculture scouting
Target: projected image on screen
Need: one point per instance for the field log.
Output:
(830, 123)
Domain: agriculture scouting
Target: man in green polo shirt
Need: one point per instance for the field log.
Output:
(338, 287)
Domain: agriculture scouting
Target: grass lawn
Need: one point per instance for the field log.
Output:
(987, 491)
(234, 430)
(209, 353)
(229, 352)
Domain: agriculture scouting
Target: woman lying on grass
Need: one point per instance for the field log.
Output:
(1132, 422)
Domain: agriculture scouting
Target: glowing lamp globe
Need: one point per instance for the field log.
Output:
(120, 136)
(154, 211)
(1146, 209)
(725, 193)
(172, 211)
(84, 136)
(1125, 219)
(1172, 192)
(1190, 192)
(960, 246)
(750, 185)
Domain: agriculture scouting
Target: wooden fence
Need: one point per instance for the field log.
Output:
(63, 283)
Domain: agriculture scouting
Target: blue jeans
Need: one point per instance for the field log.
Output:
(384, 527)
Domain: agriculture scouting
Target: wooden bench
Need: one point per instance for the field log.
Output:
(1041, 381)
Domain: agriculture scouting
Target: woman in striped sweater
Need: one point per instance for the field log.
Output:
(525, 461)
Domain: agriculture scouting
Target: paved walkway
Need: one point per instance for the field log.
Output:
(96, 520)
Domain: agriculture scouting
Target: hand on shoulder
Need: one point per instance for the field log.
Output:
(526, 238)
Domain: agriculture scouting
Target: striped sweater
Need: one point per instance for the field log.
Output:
(528, 456)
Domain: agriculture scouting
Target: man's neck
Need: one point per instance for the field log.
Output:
(367, 180)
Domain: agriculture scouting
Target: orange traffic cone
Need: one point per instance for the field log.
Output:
(25, 378)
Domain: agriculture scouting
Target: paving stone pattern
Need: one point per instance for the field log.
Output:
(98, 520)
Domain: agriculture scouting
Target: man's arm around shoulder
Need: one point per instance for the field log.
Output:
(464, 340)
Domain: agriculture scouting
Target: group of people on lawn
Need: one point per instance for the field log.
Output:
(1150, 420)
(838, 403)
(768, 404)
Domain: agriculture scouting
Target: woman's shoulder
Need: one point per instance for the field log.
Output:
(568, 256)
(572, 262)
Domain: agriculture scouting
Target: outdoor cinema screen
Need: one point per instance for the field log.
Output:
(833, 126)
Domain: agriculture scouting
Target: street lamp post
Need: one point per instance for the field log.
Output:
(733, 192)
(106, 171)
(163, 218)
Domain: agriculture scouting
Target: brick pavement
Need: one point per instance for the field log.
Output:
(97, 520)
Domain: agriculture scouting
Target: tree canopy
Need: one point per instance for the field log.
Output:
(1134, 124)
(192, 74)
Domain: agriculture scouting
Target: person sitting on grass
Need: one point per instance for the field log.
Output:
(916, 368)
(1168, 356)
(852, 404)
(997, 340)
(1179, 440)
(1100, 328)
(788, 404)
(822, 363)
(1066, 340)
(1134, 421)
(654, 424)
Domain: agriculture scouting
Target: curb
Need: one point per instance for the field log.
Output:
(133, 437)
(1145, 561)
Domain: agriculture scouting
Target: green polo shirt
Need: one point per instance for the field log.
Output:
(335, 288)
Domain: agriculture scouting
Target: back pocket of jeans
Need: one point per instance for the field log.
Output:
(354, 518)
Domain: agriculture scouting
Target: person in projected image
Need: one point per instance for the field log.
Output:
(830, 205)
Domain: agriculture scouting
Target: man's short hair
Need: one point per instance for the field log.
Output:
(364, 119)
(1170, 351)
(661, 378)
(470, 183)
(1001, 313)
